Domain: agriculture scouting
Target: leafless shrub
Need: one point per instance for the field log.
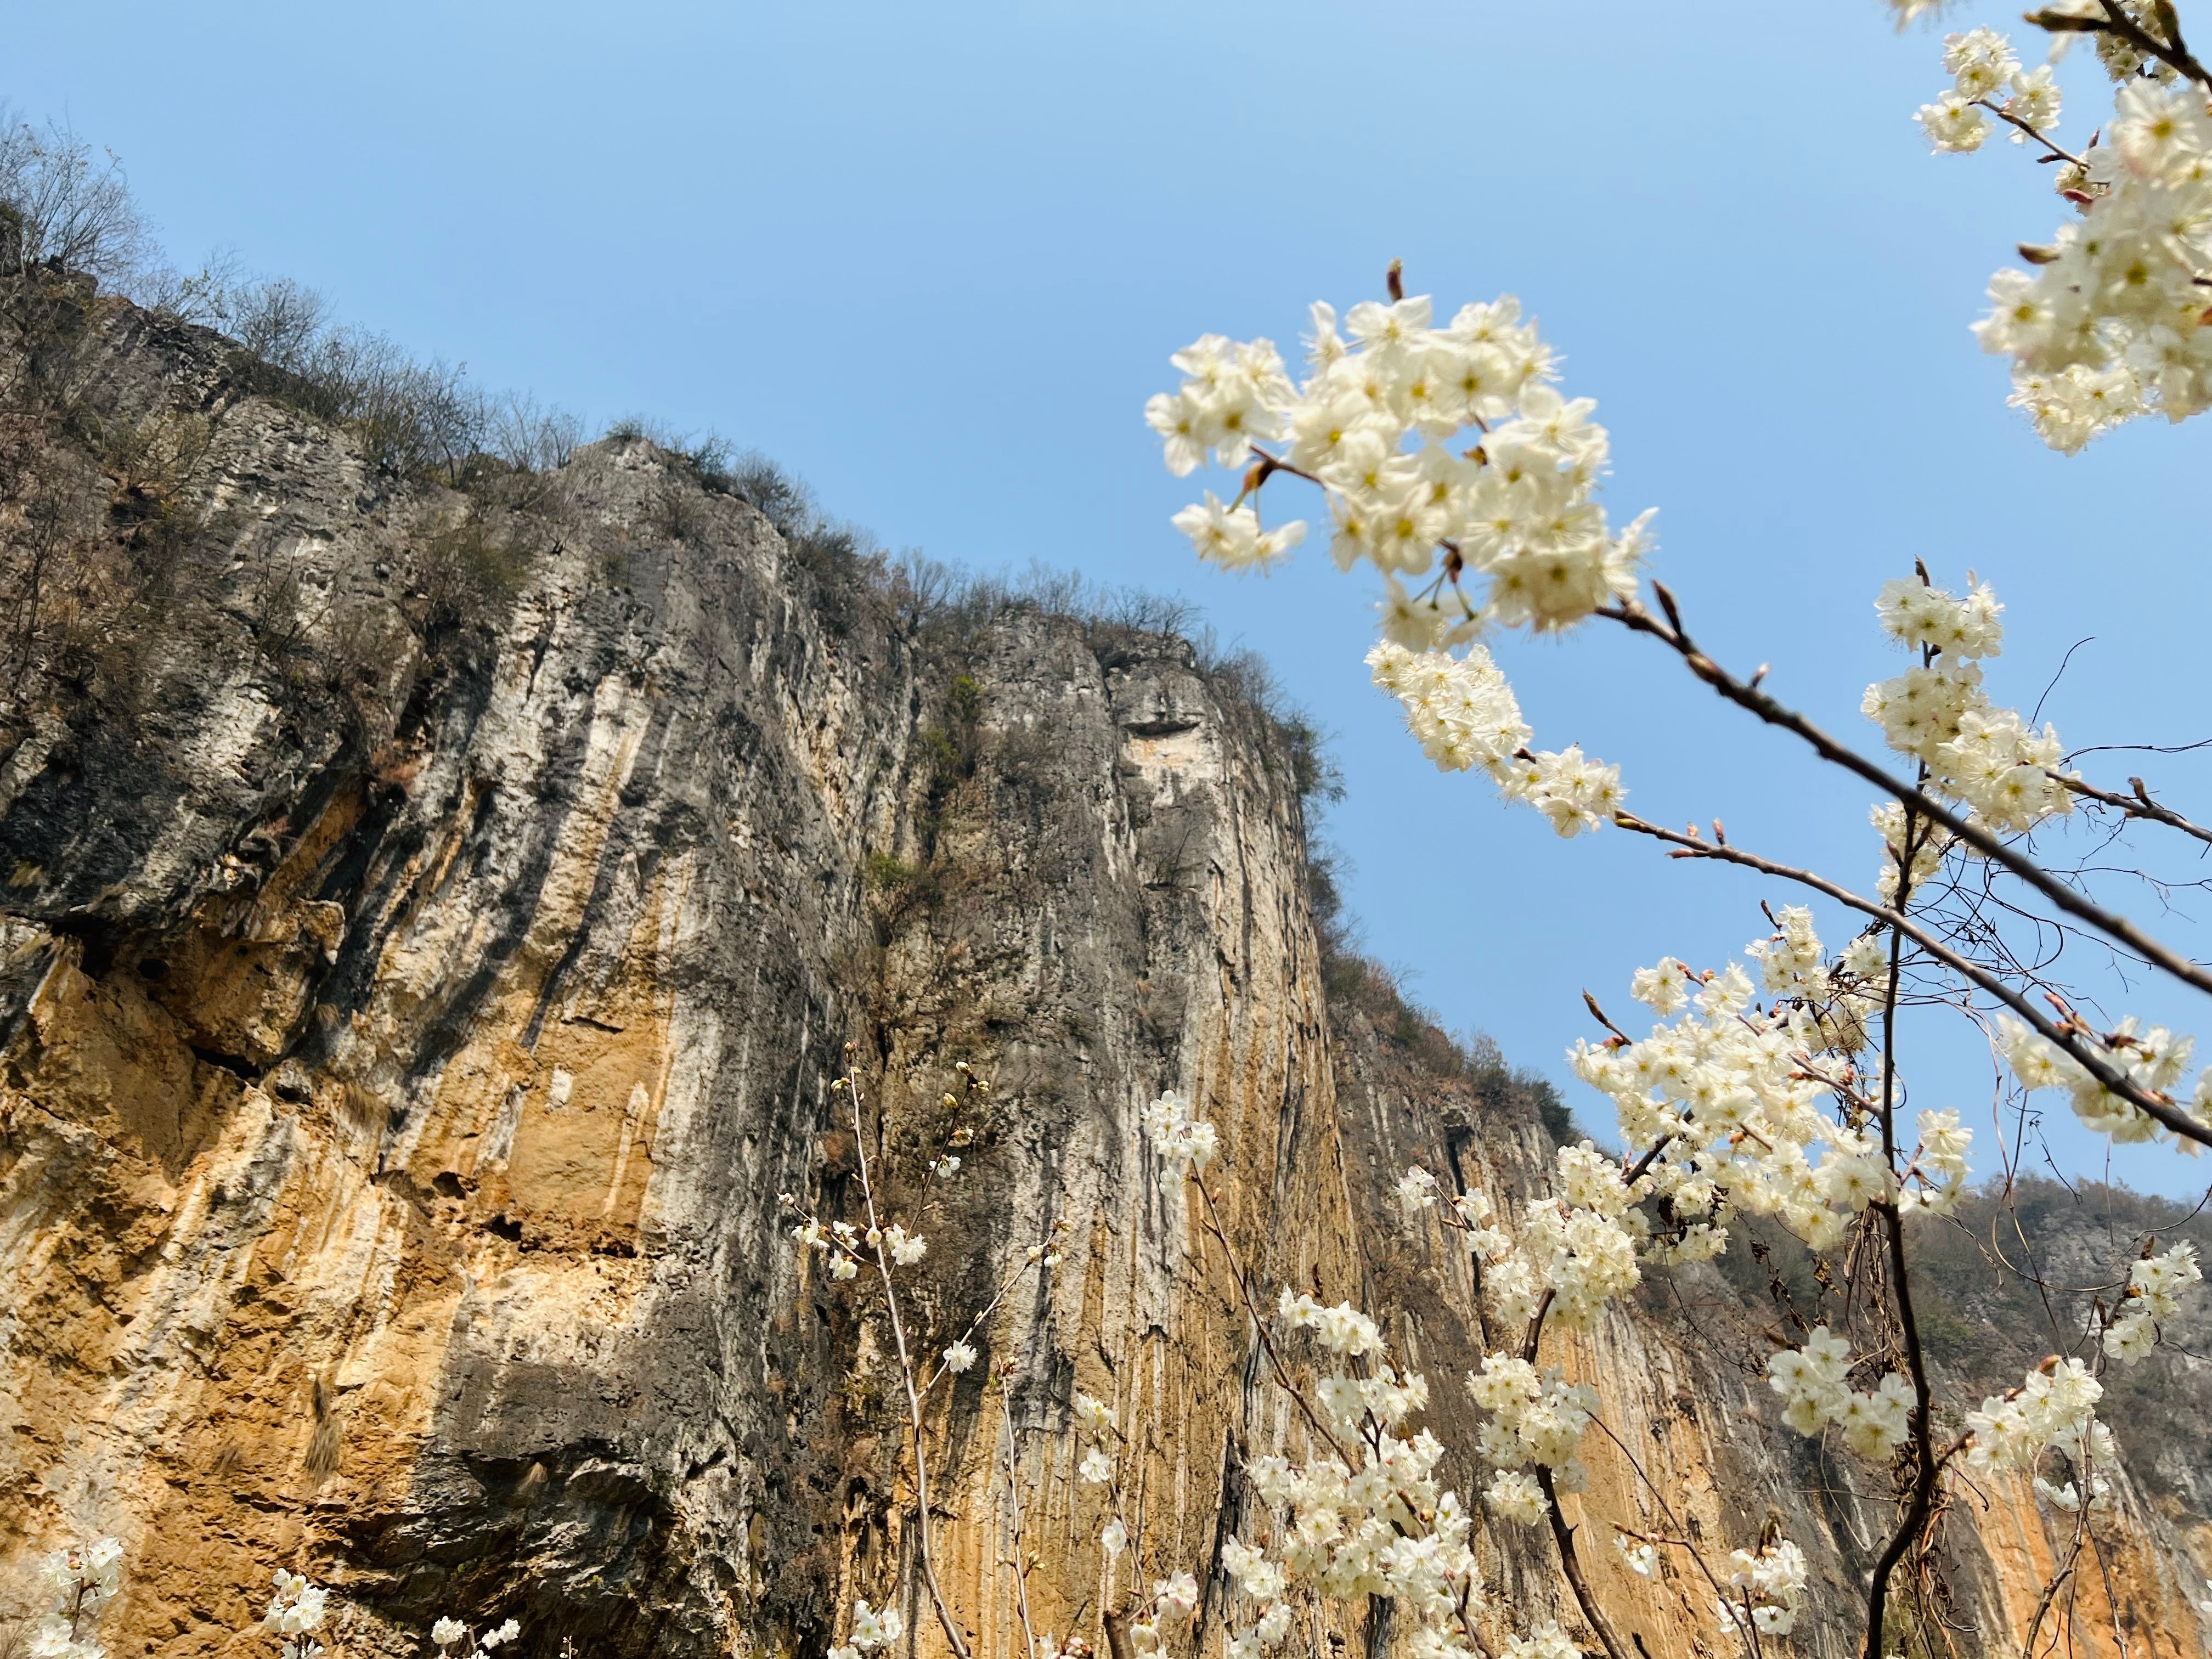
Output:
(279, 321)
(531, 439)
(464, 571)
(64, 205)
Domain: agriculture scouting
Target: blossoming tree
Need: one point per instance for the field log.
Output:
(1448, 462)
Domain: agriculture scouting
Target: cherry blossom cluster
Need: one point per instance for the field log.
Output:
(296, 1607)
(1364, 1514)
(2156, 1060)
(1176, 1594)
(1095, 1421)
(1545, 1641)
(1535, 1418)
(1766, 1586)
(1816, 1392)
(2054, 1409)
(1987, 76)
(1187, 1143)
(2109, 322)
(1579, 1243)
(871, 1628)
(1463, 713)
(842, 1241)
(1472, 1214)
(82, 1583)
(2154, 1286)
(452, 1638)
(1374, 425)
(1579, 1250)
(1365, 1517)
(1985, 758)
(1264, 1581)
(1734, 1094)
(1230, 536)
(1386, 1528)
(79, 1584)
(1351, 1401)
(1731, 1101)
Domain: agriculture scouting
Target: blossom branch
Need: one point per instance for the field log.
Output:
(1035, 1254)
(1021, 1561)
(1665, 1510)
(1570, 1564)
(2137, 805)
(926, 1553)
(2175, 54)
(1260, 1327)
(1746, 695)
(2052, 151)
(2064, 1037)
(1893, 1224)
(1518, 512)
(1462, 1609)
(1562, 1532)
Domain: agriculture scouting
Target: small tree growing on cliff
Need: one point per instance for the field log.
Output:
(61, 204)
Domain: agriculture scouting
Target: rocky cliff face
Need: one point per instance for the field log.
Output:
(434, 922)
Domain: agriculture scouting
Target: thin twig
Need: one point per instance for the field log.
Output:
(2087, 1058)
(1633, 615)
(906, 1376)
(1260, 1328)
(976, 1323)
(2032, 132)
(2049, 1592)
(1014, 1494)
(1893, 1221)
(2137, 805)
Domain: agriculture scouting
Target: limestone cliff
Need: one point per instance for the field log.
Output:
(434, 916)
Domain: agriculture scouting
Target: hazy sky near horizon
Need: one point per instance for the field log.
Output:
(934, 261)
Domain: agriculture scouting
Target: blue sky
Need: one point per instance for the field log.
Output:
(933, 259)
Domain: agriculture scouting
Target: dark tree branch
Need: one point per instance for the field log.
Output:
(2081, 1052)
(1564, 1535)
(2137, 805)
(1670, 633)
(1893, 1223)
